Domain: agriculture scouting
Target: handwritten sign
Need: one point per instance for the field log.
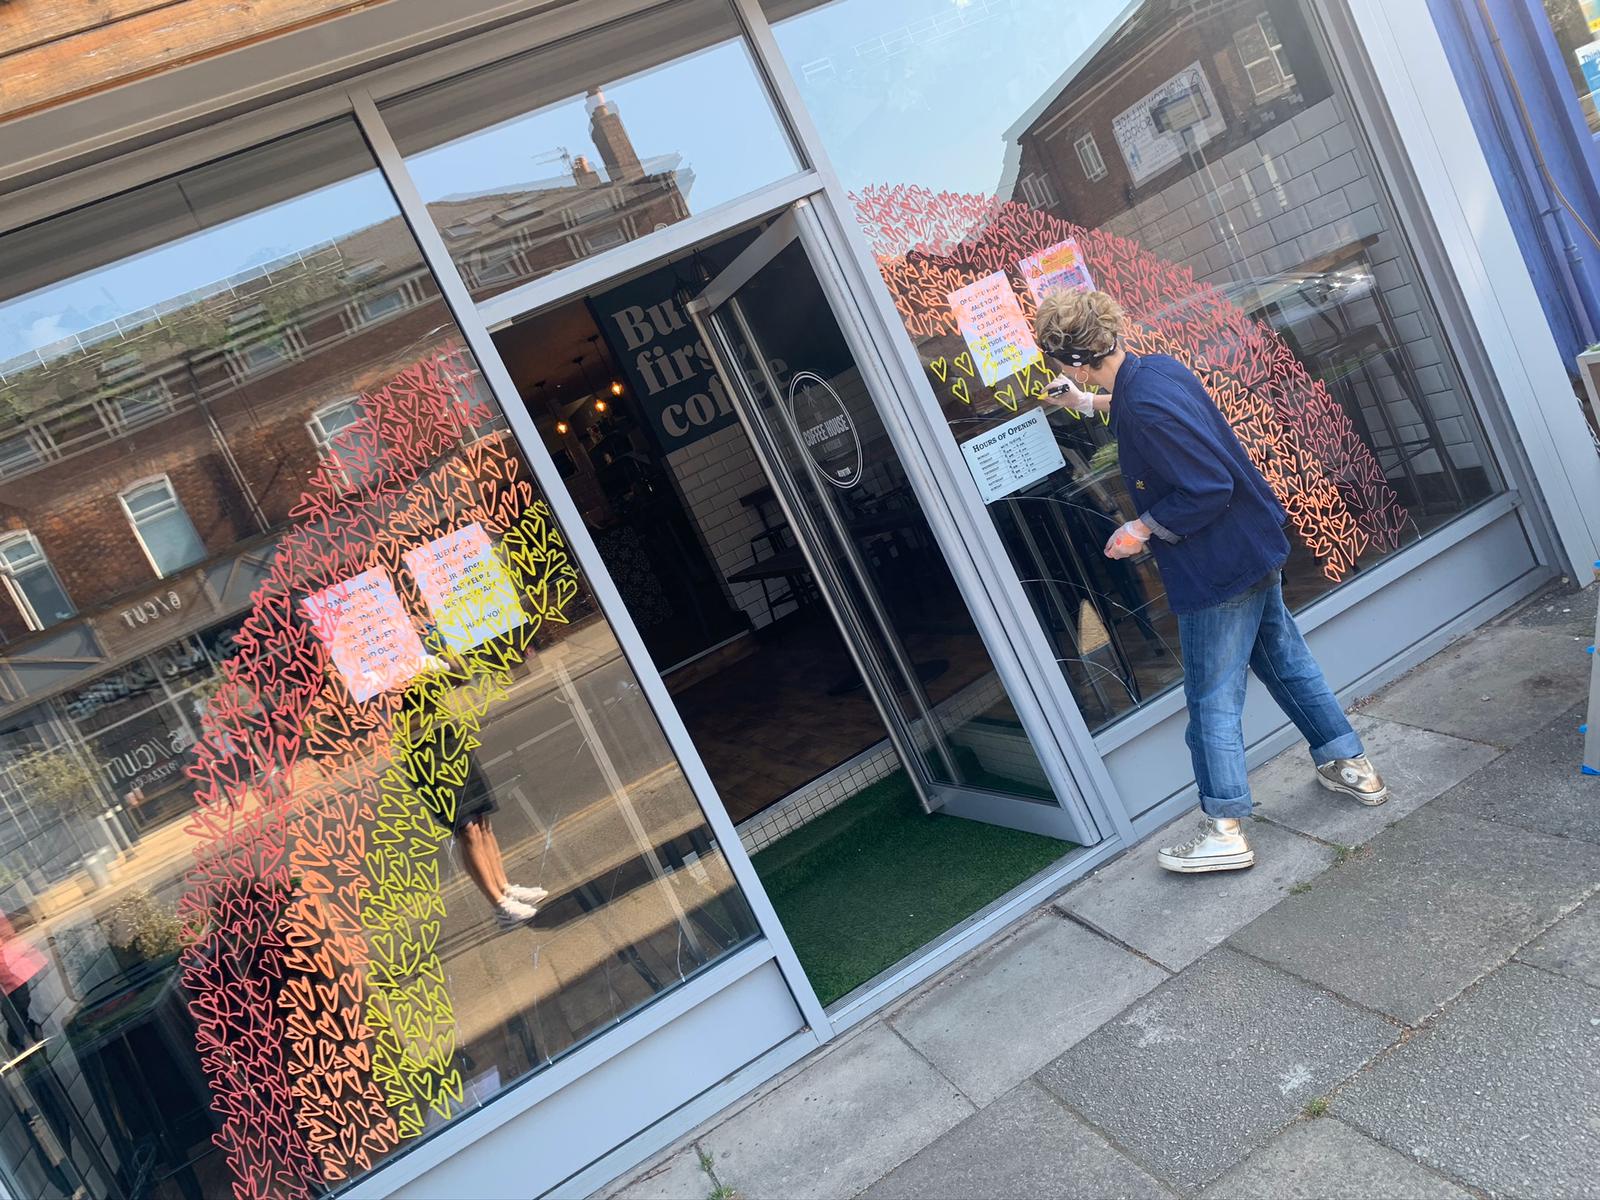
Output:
(991, 322)
(1011, 456)
(470, 594)
(1057, 268)
(365, 627)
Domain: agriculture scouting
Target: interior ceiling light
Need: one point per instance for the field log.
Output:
(616, 387)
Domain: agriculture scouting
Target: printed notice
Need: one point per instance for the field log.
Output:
(1059, 268)
(365, 627)
(470, 594)
(991, 321)
(1011, 456)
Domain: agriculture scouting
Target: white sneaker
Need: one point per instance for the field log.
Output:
(1356, 778)
(1219, 846)
(509, 913)
(527, 895)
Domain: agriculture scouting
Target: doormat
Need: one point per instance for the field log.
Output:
(861, 887)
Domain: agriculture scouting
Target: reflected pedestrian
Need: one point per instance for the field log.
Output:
(1216, 531)
(435, 736)
(20, 966)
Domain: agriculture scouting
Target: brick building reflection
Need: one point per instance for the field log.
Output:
(149, 464)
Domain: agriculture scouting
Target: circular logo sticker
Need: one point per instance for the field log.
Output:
(826, 429)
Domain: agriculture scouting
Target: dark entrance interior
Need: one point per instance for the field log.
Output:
(642, 433)
(690, 528)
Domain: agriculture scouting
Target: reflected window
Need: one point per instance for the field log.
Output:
(1094, 167)
(561, 154)
(1201, 164)
(20, 452)
(246, 807)
(32, 583)
(162, 526)
(1262, 55)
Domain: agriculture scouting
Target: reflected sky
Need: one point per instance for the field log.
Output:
(707, 108)
(47, 315)
(923, 91)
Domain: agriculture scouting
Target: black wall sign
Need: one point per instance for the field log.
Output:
(654, 344)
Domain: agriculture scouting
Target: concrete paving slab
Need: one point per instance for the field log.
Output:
(1011, 1010)
(1496, 686)
(1429, 907)
(1500, 1092)
(1560, 606)
(679, 1178)
(1024, 1146)
(1327, 1160)
(1177, 918)
(1571, 947)
(839, 1125)
(1212, 1063)
(1539, 785)
(1417, 764)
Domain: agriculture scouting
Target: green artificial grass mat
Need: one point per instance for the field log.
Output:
(873, 880)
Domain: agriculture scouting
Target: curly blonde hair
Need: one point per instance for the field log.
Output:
(1089, 321)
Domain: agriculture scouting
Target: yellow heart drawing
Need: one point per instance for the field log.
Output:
(964, 363)
(1007, 397)
(959, 390)
(940, 367)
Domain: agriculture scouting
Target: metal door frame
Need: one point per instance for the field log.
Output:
(1066, 817)
(721, 294)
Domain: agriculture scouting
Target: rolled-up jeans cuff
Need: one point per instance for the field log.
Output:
(1348, 746)
(1213, 807)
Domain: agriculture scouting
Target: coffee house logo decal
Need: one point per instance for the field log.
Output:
(825, 427)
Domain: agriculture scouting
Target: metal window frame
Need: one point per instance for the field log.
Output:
(984, 575)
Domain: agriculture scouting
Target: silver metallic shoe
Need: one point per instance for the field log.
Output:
(1356, 778)
(1219, 846)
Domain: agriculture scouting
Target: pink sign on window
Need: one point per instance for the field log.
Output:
(368, 632)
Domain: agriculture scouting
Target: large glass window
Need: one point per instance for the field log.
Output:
(1199, 162)
(544, 160)
(358, 815)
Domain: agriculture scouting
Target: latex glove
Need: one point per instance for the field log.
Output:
(1129, 540)
(1063, 393)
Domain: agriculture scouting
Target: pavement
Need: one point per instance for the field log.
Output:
(1398, 1002)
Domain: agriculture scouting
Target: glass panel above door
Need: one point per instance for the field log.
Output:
(329, 804)
(544, 160)
(1202, 164)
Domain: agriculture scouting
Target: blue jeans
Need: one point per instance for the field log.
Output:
(1251, 630)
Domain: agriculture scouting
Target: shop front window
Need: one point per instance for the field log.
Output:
(1200, 163)
(542, 161)
(355, 816)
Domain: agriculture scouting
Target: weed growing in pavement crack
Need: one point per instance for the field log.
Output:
(1300, 889)
(1317, 1106)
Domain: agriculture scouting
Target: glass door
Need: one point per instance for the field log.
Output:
(777, 335)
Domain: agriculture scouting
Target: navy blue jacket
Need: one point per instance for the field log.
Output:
(1217, 527)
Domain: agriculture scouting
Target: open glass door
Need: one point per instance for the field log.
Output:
(778, 337)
